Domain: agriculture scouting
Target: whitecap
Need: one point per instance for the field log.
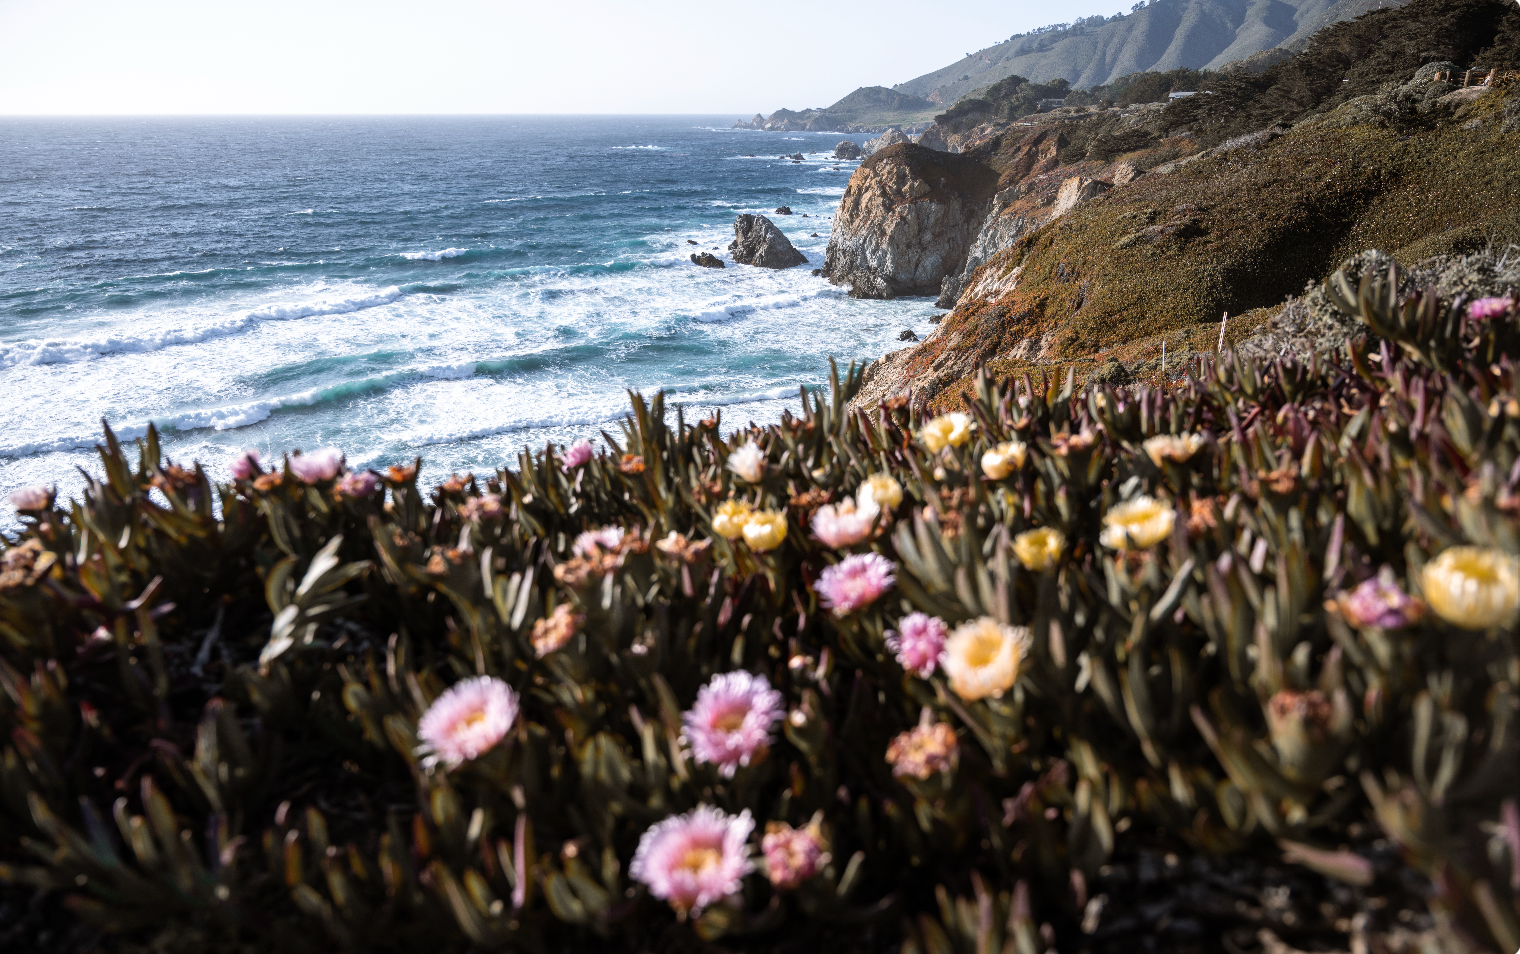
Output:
(434, 256)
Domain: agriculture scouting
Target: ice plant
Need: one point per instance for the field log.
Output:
(1174, 447)
(1040, 548)
(1485, 308)
(245, 464)
(748, 462)
(924, 750)
(1473, 587)
(576, 455)
(317, 466)
(947, 430)
(1379, 602)
(468, 720)
(483, 507)
(696, 859)
(360, 484)
(918, 642)
(1137, 524)
(764, 530)
(844, 524)
(595, 542)
(792, 855)
(730, 723)
(31, 498)
(1004, 459)
(555, 630)
(730, 518)
(984, 657)
(855, 582)
(879, 491)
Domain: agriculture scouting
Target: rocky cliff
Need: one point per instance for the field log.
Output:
(907, 220)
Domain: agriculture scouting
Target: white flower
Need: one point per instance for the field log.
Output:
(748, 462)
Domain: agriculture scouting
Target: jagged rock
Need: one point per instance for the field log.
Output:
(814, 235)
(691, 241)
(784, 210)
(906, 220)
(847, 149)
(797, 156)
(758, 242)
(707, 260)
(1124, 174)
(817, 273)
(937, 137)
(891, 137)
(907, 335)
(1075, 191)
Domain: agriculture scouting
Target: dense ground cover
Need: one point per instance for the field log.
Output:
(855, 680)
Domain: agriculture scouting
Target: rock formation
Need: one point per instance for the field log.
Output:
(784, 210)
(906, 221)
(847, 149)
(758, 242)
(937, 137)
(707, 260)
(891, 137)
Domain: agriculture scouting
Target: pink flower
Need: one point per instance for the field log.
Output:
(918, 643)
(695, 859)
(593, 542)
(855, 582)
(792, 855)
(361, 484)
(246, 464)
(844, 524)
(469, 719)
(1485, 308)
(1379, 602)
(31, 498)
(577, 455)
(730, 723)
(317, 466)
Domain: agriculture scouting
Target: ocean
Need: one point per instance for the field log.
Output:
(454, 288)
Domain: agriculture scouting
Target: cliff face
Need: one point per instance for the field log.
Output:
(907, 220)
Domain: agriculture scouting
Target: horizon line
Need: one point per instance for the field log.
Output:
(360, 115)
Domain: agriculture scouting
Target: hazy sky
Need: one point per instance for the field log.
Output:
(483, 56)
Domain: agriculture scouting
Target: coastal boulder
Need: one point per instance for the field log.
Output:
(847, 149)
(707, 260)
(907, 220)
(937, 137)
(758, 242)
(891, 137)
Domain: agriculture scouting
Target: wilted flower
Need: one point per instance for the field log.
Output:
(469, 719)
(1004, 459)
(1473, 587)
(855, 582)
(792, 855)
(730, 723)
(1137, 524)
(577, 455)
(594, 542)
(1040, 548)
(1379, 602)
(1485, 308)
(879, 491)
(918, 643)
(764, 530)
(555, 630)
(983, 658)
(245, 464)
(631, 464)
(31, 498)
(730, 518)
(25, 564)
(843, 524)
(947, 430)
(1307, 713)
(924, 750)
(1173, 447)
(483, 507)
(677, 547)
(748, 462)
(360, 484)
(1064, 445)
(695, 859)
(317, 466)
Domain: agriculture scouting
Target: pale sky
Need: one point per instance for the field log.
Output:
(97, 57)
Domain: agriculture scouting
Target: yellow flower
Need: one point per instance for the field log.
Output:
(879, 490)
(730, 519)
(1177, 447)
(765, 530)
(1473, 587)
(1137, 524)
(983, 658)
(1039, 549)
(947, 430)
(1004, 459)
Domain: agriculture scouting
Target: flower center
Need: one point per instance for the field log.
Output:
(1478, 570)
(698, 860)
(983, 650)
(473, 719)
(730, 721)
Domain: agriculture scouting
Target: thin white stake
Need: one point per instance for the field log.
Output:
(1163, 359)
(1221, 331)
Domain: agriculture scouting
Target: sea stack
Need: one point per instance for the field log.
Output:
(758, 242)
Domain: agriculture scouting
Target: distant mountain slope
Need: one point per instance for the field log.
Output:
(1165, 35)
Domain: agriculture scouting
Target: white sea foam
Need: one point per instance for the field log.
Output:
(71, 350)
(737, 305)
(434, 256)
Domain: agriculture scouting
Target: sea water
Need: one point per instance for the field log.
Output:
(450, 288)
